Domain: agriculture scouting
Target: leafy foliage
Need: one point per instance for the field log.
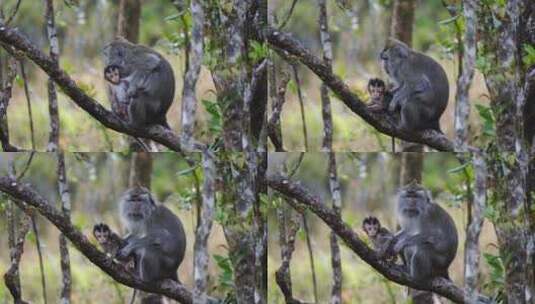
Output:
(487, 117)
(529, 55)
(225, 279)
(496, 279)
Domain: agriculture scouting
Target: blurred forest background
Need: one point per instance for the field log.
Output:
(96, 181)
(84, 27)
(369, 182)
(358, 35)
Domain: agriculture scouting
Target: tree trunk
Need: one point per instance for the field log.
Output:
(411, 167)
(402, 20)
(510, 157)
(140, 170)
(401, 29)
(128, 20)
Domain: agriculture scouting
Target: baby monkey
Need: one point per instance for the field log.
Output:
(112, 73)
(118, 90)
(380, 96)
(380, 236)
(110, 241)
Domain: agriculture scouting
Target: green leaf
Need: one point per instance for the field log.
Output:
(459, 168)
(187, 171)
(258, 51)
(449, 20)
(483, 64)
(529, 55)
(487, 116)
(215, 123)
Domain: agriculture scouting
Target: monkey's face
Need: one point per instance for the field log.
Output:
(137, 205)
(377, 93)
(117, 54)
(371, 226)
(393, 57)
(112, 73)
(371, 229)
(101, 233)
(413, 201)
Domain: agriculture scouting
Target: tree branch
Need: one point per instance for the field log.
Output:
(13, 38)
(284, 44)
(24, 193)
(304, 198)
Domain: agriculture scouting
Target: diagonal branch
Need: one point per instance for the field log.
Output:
(11, 37)
(302, 197)
(284, 44)
(24, 193)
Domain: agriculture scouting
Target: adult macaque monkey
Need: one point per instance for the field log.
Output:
(428, 237)
(421, 89)
(145, 82)
(155, 244)
(155, 237)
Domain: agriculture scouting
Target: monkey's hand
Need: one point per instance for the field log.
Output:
(124, 253)
(386, 251)
(412, 240)
(375, 106)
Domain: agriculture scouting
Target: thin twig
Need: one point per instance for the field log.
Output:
(13, 12)
(301, 104)
(310, 257)
(27, 166)
(28, 102)
(288, 15)
(40, 254)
